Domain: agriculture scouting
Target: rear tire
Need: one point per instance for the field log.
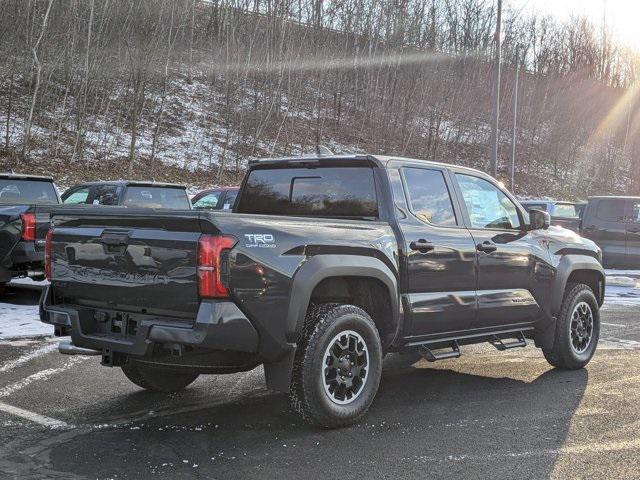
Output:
(3, 288)
(157, 379)
(577, 329)
(337, 367)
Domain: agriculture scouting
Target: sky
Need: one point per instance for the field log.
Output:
(623, 16)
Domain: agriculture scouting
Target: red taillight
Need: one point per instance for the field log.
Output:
(28, 226)
(210, 248)
(47, 255)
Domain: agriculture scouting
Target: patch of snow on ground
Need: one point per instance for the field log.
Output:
(20, 321)
(27, 282)
(623, 287)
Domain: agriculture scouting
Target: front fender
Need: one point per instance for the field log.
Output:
(320, 267)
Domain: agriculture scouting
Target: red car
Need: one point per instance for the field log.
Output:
(221, 198)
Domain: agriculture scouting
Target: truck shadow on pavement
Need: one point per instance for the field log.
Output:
(438, 420)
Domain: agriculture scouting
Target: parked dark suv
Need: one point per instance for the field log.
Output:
(613, 223)
(325, 265)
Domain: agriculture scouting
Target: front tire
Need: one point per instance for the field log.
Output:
(157, 379)
(577, 329)
(337, 367)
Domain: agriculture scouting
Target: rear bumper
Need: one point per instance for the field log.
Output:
(218, 326)
(23, 260)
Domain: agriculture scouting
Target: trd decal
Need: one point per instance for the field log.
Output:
(260, 240)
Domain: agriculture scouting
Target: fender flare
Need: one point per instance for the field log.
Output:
(569, 264)
(320, 267)
(546, 330)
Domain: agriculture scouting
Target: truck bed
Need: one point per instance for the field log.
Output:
(147, 261)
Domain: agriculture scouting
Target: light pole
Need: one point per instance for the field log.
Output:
(496, 94)
(515, 121)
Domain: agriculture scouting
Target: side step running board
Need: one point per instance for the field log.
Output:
(501, 345)
(432, 356)
(495, 340)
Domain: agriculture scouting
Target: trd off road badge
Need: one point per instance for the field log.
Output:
(260, 240)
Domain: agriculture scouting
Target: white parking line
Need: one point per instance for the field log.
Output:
(29, 356)
(32, 416)
(41, 375)
(618, 343)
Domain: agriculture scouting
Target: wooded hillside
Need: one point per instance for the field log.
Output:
(188, 90)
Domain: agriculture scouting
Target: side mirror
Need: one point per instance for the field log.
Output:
(539, 220)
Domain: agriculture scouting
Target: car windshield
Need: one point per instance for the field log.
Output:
(174, 198)
(31, 192)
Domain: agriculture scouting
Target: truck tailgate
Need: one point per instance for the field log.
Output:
(144, 263)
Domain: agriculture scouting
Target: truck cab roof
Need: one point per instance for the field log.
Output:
(622, 197)
(20, 176)
(381, 161)
(137, 183)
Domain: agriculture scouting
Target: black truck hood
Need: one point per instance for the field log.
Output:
(562, 241)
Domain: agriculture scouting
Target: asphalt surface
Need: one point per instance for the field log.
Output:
(488, 414)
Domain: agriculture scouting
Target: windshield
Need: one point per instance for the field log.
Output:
(157, 197)
(31, 192)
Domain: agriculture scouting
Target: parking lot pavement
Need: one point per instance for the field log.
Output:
(485, 415)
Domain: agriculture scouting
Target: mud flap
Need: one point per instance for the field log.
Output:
(278, 374)
(545, 335)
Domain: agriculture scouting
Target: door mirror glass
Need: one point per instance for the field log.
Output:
(539, 220)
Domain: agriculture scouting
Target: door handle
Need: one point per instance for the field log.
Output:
(422, 246)
(486, 247)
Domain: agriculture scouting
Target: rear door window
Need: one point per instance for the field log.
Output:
(341, 192)
(429, 196)
(156, 197)
(30, 192)
(611, 209)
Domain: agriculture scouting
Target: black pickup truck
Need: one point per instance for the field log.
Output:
(325, 265)
(24, 222)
